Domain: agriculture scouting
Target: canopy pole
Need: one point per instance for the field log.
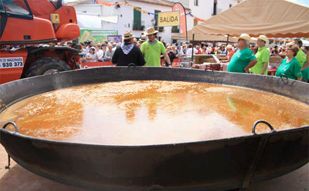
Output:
(186, 26)
(193, 36)
(227, 39)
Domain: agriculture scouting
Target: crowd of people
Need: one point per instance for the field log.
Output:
(99, 52)
(295, 64)
(242, 57)
(96, 52)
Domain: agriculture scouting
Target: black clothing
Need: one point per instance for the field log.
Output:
(135, 56)
(172, 56)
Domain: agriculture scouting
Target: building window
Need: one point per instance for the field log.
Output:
(160, 29)
(137, 19)
(195, 2)
(175, 29)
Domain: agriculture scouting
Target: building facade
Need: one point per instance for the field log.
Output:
(137, 17)
(120, 19)
(204, 9)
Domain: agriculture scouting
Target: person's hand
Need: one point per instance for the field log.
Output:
(247, 70)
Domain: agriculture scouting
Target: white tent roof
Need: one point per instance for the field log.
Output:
(274, 18)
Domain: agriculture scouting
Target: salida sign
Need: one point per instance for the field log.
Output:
(168, 19)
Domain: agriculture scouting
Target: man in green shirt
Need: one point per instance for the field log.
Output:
(152, 49)
(302, 59)
(262, 56)
(305, 69)
(300, 56)
(244, 58)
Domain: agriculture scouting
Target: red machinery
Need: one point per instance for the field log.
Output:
(25, 25)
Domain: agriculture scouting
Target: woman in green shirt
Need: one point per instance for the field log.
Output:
(290, 67)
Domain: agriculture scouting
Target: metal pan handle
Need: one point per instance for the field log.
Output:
(12, 123)
(264, 122)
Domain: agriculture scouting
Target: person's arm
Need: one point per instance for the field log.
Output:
(249, 56)
(251, 64)
(115, 57)
(265, 60)
(306, 65)
(140, 58)
(166, 57)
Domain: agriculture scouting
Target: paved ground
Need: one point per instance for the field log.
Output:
(19, 179)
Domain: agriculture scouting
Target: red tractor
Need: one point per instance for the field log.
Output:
(29, 33)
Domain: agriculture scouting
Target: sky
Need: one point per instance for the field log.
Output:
(303, 2)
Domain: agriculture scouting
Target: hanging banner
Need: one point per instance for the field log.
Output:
(182, 20)
(109, 3)
(168, 19)
(97, 35)
(114, 38)
(105, 3)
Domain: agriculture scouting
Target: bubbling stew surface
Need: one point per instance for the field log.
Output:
(152, 112)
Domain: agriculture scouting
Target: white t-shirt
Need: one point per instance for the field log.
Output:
(100, 54)
(91, 57)
(189, 52)
(108, 55)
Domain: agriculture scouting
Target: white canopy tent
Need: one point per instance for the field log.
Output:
(274, 18)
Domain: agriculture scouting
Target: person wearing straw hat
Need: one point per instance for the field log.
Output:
(230, 51)
(244, 58)
(301, 57)
(128, 53)
(143, 38)
(101, 52)
(152, 49)
(262, 56)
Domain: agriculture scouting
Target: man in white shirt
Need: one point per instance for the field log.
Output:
(190, 49)
(91, 56)
(109, 53)
(101, 52)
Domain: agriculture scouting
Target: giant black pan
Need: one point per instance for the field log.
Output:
(207, 165)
